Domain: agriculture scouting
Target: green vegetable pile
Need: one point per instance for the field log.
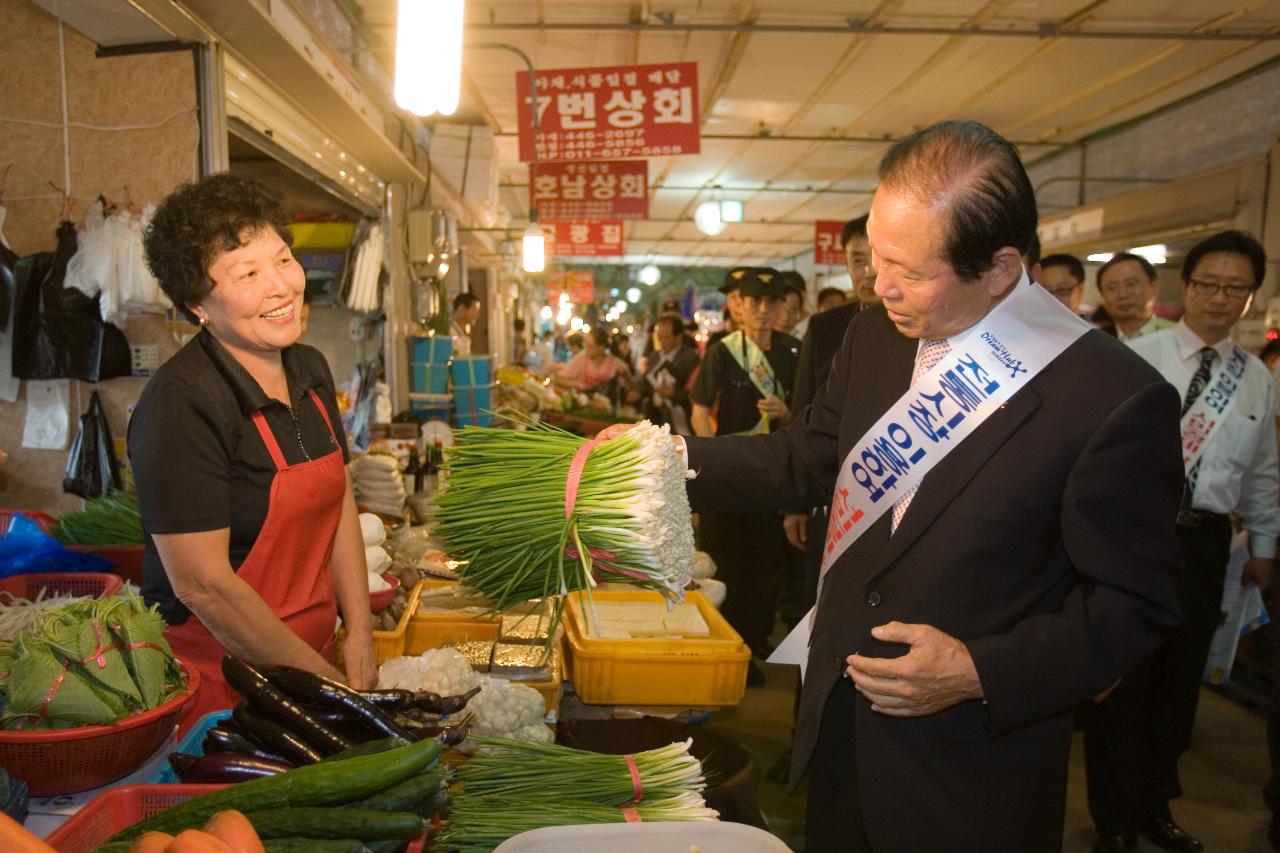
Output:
(89, 663)
(510, 787)
(109, 520)
(376, 802)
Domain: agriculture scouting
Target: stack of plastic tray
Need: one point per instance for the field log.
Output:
(688, 672)
(429, 364)
(472, 390)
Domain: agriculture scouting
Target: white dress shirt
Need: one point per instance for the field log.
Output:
(1153, 324)
(461, 338)
(1238, 468)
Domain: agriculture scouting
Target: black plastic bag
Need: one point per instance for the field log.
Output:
(59, 332)
(91, 465)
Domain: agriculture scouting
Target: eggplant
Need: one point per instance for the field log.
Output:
(388, 700)
(311, 689)
(447, 735)
(219, 739)
(263, 695)
(274, 737)
(446, 704)
(225, 767)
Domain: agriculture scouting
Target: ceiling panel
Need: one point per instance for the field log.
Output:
(810, 86)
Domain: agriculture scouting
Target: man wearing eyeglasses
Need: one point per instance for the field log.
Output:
(1134, 738)
(1063, 276)
(1128, 286)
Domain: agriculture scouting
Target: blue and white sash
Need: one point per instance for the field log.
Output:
(1211, 407)
(994, 360)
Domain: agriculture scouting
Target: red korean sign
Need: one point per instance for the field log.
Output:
(584, 239)
(610, 113)
(826, 242)
(580, 285)
(604, 189)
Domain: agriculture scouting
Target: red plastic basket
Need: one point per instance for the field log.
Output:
(43, 520)
(113, 811)
(95, 584)
(64, 761)
(127, 559)
(381, 600)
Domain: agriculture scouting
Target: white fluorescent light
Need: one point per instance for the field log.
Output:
(731, 210)
(1156, 253)
(649, 275)
(534, 245)
(707, 218)
(428, 56)
(1100, 257)
(633, 294)
(546, 312)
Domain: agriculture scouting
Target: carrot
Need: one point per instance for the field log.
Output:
(195, 841)
(234, 830)
(152, 842)
(15, 839)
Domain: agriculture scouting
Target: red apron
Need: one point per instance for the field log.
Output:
(288, 566)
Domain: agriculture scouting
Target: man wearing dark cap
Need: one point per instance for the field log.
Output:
(732, 304)
(743, 387)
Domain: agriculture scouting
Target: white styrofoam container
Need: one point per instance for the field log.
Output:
(710, 836)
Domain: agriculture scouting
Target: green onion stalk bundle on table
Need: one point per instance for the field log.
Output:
(509, 787)
(502, 512)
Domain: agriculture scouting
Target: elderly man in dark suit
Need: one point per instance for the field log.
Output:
(1033, 566)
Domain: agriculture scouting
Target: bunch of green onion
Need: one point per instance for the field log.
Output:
(510, 787)
(501, 511)
(502, 767)
(112, 519)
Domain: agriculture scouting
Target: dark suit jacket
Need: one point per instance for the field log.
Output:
(682, 365)
(1045, 542)
(821, 343)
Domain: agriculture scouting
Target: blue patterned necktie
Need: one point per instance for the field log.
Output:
(1198, 383)
(931, 352)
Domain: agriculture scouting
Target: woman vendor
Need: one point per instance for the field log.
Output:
(253, 541)
(595, 367)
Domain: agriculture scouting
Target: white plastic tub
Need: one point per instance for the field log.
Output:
(708, 836)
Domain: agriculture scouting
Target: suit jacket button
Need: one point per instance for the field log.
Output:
(874, 599)
(840, 664)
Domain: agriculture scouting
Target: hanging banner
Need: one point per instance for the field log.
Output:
(579, 285)
(583, 192)
(826, 242)
(610, 113)
(584, 239)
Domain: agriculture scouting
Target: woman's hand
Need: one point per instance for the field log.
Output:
(357, 657)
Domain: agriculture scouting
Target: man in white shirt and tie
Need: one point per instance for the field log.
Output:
(1134, 738)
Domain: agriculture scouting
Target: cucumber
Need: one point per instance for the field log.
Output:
(313, 785)
(314, 845)
(372, 747)
(404, 796)
(365, 824)
(433, 805)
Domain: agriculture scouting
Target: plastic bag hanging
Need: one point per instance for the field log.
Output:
(91, 466)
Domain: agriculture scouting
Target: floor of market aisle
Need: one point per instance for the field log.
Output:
(1222, 774)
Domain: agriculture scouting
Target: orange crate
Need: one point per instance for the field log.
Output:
(686, 672)
(43, 520)
(118, 809)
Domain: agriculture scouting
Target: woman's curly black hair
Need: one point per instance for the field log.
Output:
(199, 221)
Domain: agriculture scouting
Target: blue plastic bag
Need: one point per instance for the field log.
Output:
(25, 548)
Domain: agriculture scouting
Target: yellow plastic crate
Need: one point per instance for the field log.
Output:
(389, 644)
(433, 630)
(682, 672)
